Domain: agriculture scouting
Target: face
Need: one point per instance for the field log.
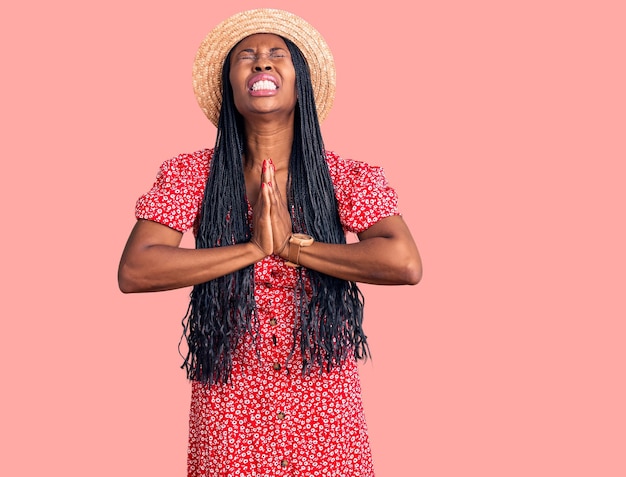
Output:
(263, 77)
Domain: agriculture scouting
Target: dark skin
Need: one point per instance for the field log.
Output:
(153, 260)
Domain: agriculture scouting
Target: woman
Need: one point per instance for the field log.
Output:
(274, 322)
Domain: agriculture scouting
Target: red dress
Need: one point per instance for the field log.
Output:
(269, 420)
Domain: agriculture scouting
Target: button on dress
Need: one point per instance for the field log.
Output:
(270, 420)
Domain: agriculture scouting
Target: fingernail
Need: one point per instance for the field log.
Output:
(269, 184)
(264, 164)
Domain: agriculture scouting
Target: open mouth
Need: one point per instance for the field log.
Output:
(264, 85)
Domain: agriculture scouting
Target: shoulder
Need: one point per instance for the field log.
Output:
(362, 192)
(194, 165)
(175, 197)
(343, 169)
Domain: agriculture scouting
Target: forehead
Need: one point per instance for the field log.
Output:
(259, 40)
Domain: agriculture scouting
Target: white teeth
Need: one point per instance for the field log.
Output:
(263, 85)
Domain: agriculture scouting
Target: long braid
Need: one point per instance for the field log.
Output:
(330, 317)
(222, 311)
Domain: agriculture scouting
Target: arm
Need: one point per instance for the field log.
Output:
(152, 260)
(385, 255)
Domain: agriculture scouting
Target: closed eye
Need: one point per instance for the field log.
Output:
(278, 53)
(250, 54)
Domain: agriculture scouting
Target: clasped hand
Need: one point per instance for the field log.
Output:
(271, 220)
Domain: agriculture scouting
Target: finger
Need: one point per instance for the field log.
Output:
(267, 171)
(281, 225)
(262, 223)
(265, 199)
(273, 192)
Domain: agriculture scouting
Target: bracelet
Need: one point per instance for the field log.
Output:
(301, 240)
(291, 262)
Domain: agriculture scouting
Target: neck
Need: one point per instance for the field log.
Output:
(268, 140)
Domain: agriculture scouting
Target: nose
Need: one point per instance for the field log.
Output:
(262, 63)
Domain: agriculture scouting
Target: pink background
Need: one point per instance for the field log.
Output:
(501, 125)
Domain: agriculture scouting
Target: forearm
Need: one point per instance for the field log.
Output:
(166, 267)
(382, 261)
(386, 254)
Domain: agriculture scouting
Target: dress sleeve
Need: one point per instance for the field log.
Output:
(363, 194)
(175, 197)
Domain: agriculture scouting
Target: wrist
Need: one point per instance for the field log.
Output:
(295, 245)
(257, 249)
(283, 251)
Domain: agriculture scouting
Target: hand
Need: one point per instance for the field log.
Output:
(279, 214)
(271, 219)
(262, 224)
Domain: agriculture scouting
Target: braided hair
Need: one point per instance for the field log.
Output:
(329, 310)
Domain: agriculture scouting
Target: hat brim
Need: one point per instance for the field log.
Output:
(207, 68)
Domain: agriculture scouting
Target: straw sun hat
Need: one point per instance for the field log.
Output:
(207, 68)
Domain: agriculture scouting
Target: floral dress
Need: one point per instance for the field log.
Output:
(270, 420)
